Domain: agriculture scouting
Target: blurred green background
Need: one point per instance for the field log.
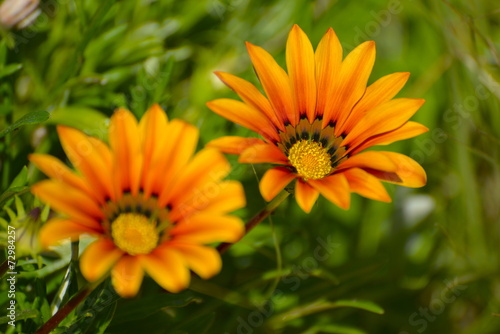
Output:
(426, 263)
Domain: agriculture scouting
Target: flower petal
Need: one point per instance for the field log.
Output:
(102, 149)
(86, 158)
(305, 195)
(335, 188)
(226, 197)
(167, 267)
(202, 173)
(244, 115)
(71, 201)
(179, 149)
(127, 276)
(98, 258)
(58, 229)
(366, 185)
(377, 93)
(205, 261)
(233, 144)
(274, 180)
(55, 169)
(370, 159)
(206, 227)
(251, 95)
(408, 130)
(386, 117)
(125, 141)
(300, 65)
(153, 127)
(328, 58)
(275, 82)
(351, 84)
(408, 172)
(262, 153)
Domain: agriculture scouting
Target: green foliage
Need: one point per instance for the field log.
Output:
(426, 263)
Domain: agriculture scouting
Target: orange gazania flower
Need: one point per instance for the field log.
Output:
(150, 203)
(318, 119)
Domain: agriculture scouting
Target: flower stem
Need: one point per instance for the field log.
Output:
(79, 297)
(259, 217)
(63, 312)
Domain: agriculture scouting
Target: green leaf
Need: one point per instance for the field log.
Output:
(88, 120)
(199, 325)
(40, 303)
(9, 69)
(337, 329)
(21, 178)
(361, 304)
(22, 315)
(34, 117)
(280, 320)
(139, 308)
(11, 192)
(95, 314)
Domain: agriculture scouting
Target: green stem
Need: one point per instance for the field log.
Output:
(259, 217)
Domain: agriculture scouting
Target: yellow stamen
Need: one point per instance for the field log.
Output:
(311, 159)
(134, 233)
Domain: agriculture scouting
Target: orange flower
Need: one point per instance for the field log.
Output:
(149, 202)
(318, 119)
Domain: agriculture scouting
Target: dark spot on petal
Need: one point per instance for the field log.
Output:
(315, 136)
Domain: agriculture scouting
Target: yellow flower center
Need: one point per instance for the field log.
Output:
(310, 159)
(134, 233)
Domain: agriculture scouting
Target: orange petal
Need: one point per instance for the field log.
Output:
(98, 258)
(275, 82)
(173, 157)
(86, 158)
(226, 197)
(244, 115)
(306, 195)
(70, 201)
(386, 117)
(127, 276)
(233, 144)
(351, 84)
(328, 57)
(300, 65)
(125, 141)
(377, 93)
(369, 159)
(251, 95)
(274, 180)
(153, 127)
(408, 172)
(408, 130)
(167, 267)
(103, 150)
(206, 227)
(58, 229)
(202, 173)
(262, 153)
(205, 261)
(366, 185)
(55, 169)
(335, 188)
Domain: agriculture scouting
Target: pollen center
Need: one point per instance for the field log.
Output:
(134, 233)
(310, 159)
